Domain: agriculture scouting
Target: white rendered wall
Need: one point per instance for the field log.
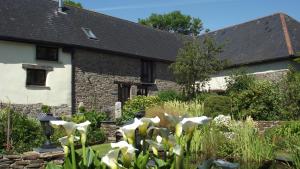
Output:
(218, 81)
(13, 77)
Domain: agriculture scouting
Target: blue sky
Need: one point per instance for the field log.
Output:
(215, 14)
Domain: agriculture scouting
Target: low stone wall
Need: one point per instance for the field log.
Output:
(110, 130)
(30, 160)
(33, 110)
(264, 125)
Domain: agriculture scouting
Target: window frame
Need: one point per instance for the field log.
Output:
(37, 55)
(89, 33)
(31, 80)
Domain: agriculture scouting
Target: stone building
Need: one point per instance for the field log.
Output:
(62, 55)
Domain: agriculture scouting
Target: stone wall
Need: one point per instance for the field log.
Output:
(264, 125)
(34, 110)
(95, 75)
(32, 160)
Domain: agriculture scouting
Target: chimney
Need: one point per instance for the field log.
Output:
(60, 5)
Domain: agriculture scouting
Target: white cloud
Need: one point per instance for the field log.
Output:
(157, 5)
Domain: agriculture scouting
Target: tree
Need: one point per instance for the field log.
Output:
(195, 62)
(174, 22)
(73, 3)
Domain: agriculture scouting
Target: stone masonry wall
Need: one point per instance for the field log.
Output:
(95, 74)
(30, 160)
(34, 110)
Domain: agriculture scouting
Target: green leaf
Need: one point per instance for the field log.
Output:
(142, 161)
(90, 156)
(51, 165)
(161, 163)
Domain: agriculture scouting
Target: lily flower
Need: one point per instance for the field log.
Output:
(64, 141)
(146, 122)
(69, 127)
(189, 124)
(82, 128)
(124, 147)
(128, 131)
(110, 159)
(127, 150)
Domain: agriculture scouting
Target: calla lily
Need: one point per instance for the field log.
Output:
(124, 147)
(177, 150)
(110, 159)
(82, 128)
(155, 146)
(64, 141)
(128, 151)
(189, 124)
(128, 131)
(69, 127)
(146, 122)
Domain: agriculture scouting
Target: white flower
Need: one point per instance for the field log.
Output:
(188, 124)
(124, 147)
(82, 127)
(177, 150)
(154, 120)
(159, 139)
(223, 121)
(128, 131)
(146, 122)
(110, 159)
(64, 140)
(69, 127)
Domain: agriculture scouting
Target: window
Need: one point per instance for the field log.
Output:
(36, 77)
(147, 72)
(123, 92)
(89, 33)
(46, 53)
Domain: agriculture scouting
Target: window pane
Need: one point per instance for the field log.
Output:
(36, 77)
(47, 53)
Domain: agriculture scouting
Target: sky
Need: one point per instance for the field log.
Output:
(215, 14)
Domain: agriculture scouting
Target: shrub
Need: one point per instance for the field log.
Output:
(262, 101)
(26, 133)
(215, 105)
(137, 104)
(169, 95)
(239, 81)
(291, 95)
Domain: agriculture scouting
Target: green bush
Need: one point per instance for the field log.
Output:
(262, 101)
(26, 133)
(137, 104)
(169, 95)
(239, 81)
(291, 95)
(215, 105)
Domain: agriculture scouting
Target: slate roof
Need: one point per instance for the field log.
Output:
(39, 20)
(259, 40)
(268, 38)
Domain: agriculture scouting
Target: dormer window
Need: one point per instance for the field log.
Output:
(89, 33)
(46, 53)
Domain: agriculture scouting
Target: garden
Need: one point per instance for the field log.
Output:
(209, 130)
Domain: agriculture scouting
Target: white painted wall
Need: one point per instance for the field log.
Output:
(218, 81)
(13, 77)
